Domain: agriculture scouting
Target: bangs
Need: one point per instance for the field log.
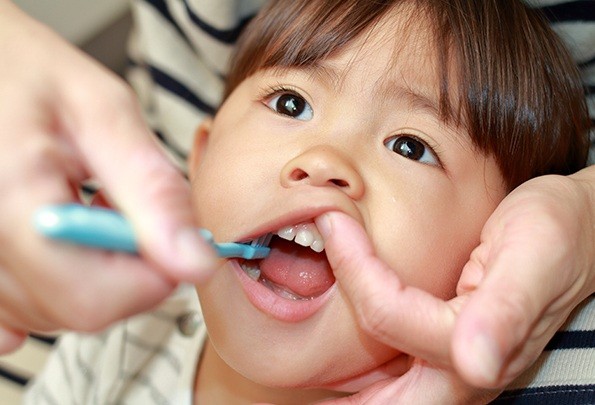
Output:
(300, 34)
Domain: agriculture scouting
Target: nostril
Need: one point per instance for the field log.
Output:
(299, 175)
(322, 166)
(339, 183)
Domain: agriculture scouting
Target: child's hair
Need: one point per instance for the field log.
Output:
(519, 92)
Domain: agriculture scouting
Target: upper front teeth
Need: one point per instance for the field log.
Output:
(305, 234)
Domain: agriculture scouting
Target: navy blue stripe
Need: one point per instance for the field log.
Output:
(571, 11)
(554, 395)
(587, 63)
(576, 339)
(49, 339)
(162, 8)
(179, 89)
(226, 36)
(13, 376)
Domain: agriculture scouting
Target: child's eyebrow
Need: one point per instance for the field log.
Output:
(387, 89)
(325, 72)
(390, 90)
(421, 100)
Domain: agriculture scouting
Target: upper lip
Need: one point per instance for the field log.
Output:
(292, 218)
(299, 214)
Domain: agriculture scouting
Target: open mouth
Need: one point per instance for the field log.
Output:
(296, 268)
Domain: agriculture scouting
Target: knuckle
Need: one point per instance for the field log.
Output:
(41, 153)
(43, 160)
(121, 95)
(516, 310)
(374, 317)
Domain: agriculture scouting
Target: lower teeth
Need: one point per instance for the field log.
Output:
(254, 273)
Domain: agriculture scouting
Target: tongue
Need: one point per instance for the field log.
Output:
(298, 269)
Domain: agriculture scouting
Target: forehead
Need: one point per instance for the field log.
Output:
(306, 34)
(396, 58)
(390, 42)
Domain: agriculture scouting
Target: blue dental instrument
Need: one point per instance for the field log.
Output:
(107, 229)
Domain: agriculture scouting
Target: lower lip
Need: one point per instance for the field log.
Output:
(279, 308)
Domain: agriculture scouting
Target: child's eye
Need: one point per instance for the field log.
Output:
(412, 148)
(292, 105)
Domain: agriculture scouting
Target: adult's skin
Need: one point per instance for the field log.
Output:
(63, 119)
(534, 265)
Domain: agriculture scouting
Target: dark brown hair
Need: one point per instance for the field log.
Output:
(519, 92)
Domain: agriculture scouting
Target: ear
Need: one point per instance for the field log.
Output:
(200, 144)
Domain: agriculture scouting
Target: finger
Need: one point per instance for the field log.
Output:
(71, 286)
(120, 151)
(74, 287)
(10, 339)
(500, 315)
(16, 307)
(422, 384)
(403, 317)
(107, 287)
(67, 286)
(392, 369)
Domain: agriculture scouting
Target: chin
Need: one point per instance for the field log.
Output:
(320, 350)
(292, 359)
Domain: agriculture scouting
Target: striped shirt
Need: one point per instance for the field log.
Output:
(179, 52)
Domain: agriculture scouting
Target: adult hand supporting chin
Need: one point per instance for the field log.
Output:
(534, 265)
(63, 119)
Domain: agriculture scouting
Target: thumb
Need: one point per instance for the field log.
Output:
(138, 178)
(523, 280)
(500, 315)
(403, 317)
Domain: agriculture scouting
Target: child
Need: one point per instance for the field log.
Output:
(414, 117)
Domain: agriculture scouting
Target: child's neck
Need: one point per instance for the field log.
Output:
(217, 383)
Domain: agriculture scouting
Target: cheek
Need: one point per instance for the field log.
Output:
(229, 182)
(432, 264)
(427, 244)
(427, 232)
(215, 187)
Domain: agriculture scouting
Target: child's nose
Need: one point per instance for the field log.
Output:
(323, 166)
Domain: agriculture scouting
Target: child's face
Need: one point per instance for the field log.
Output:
(360, 134)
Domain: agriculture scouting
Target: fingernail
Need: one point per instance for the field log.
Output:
(195, 256)
(323, 223)
(487, 356)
